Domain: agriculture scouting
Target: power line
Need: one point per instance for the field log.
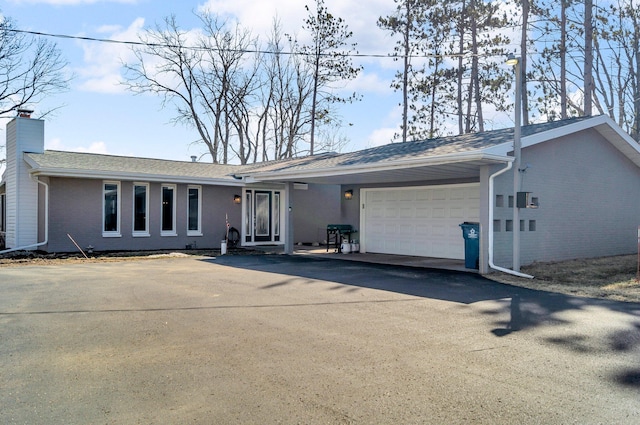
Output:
(270, 52)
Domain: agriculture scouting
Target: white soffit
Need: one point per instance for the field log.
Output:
(459, 166)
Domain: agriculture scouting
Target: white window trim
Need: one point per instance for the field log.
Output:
(198, 231)
(172, 232)
(145, 233)
(116, 233)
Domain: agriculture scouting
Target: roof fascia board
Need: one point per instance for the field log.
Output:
(349, 170)
(37, 170)
(594, 122)
(534, 139)
(155, 178)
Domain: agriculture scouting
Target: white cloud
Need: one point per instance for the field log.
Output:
(369, 82)
(258, 15)
(54, 144)
(101, 71)
(361, 19)
(381, 136)
(71, 2)
(94, 147)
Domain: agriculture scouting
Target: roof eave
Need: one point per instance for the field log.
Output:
(470, 156)
(601, 123)
(154, 178)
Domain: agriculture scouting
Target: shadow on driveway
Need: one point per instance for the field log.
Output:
(526, 308)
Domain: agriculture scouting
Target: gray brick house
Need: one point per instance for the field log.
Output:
(583, 174)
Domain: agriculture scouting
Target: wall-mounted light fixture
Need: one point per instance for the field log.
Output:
(348, 194)
(237, 199)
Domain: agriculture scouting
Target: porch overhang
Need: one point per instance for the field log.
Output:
(464, 166)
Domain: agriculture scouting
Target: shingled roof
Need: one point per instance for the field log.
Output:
(109, 166)
(398, 152)
(96, 165)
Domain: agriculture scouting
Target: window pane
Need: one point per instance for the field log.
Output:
(248, 205)
(276, 214)
(167, 208)
(110, 207)
(193, 208)
(262, 214)
(140, 209)
(3, 214)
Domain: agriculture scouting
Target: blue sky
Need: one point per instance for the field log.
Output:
(99, 115)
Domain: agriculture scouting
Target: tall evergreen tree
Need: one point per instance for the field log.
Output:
(329, 53)
(408, 23)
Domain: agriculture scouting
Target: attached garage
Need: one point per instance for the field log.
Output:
(420, 221)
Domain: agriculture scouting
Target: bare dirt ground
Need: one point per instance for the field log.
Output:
(613, 278)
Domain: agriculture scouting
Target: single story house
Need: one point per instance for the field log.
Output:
(581, 174)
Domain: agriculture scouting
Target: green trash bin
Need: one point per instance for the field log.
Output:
(471, 235)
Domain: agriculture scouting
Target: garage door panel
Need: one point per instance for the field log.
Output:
(422, 212)
(406, 196)
(391, 212)
(439, 195)
(438, 213)
(419, 221)
(406, 212)
(422, 195)
(456, 212)
(459, 194)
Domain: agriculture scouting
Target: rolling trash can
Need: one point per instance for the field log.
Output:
(471, 235)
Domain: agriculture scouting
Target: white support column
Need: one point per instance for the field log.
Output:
(288, 220)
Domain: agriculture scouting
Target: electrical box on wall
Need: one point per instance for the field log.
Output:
(525, 200)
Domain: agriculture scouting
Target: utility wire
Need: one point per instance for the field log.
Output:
(270, 52)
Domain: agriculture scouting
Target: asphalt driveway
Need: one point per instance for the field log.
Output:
(290, 339)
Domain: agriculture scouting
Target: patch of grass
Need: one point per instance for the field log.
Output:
(606, 277)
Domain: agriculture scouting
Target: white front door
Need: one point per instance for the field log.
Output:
(263, 216)
(421, 221)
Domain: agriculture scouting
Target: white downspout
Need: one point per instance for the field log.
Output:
(46, 222)
(491, 201)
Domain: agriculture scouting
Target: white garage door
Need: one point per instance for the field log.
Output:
(421, 221)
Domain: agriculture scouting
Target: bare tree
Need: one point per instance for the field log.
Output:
(205, 77)
(588, 57)
(31, 70)
(556, 70)
(228, 76)
(596, 56)
(289, 80)
(618, 65)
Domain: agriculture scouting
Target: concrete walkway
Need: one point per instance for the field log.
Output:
(388, 259)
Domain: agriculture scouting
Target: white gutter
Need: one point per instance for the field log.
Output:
(491, 201)
(46, 222)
